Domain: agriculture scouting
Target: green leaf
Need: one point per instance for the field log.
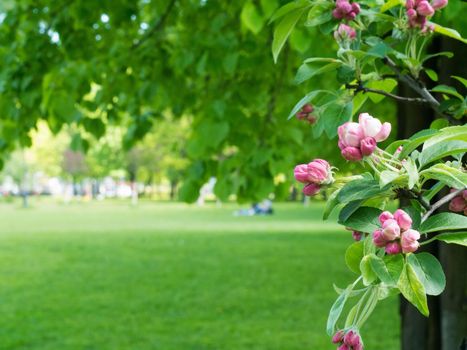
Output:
(369, 276)
(364, 219)
(336, 114)
(390, 4)
(349, 209)
(395, 265)
(448, 175)
(432, 74)
(382, 272)
(386, 85)
(336, 309)
(358, 101)
(416, 140)
(306, 99)
(415, 214)
(388, 176)
(345, 74)
(289, 7)
(353, 256)
(283, 30)
(449, 133)
(319, 14)
(441, 150)
(411, 168)
(439, 124)
(308, 71)
(251, 18)
(413, 290)
(449, 90)
(331, 203)
(444, 222)
(448, 32)
(460, 79)
(443, 53)
(453, 237)
(429, 271)
(360, 189)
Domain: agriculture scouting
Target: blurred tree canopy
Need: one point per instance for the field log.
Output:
(99, 64)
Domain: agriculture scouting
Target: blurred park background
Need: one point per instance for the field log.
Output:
(114, 116)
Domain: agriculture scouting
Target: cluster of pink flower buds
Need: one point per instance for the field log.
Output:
(348, 341)
(313, 175)
(419, 10)
(396, 234)
(344, 33)
(306, 114)
(346, 10)
(459, 203)
(357, 140)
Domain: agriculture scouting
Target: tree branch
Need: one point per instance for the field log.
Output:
(358, 88)
(157, 26)
(441, 202)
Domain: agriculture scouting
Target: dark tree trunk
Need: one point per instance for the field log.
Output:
(446, 328)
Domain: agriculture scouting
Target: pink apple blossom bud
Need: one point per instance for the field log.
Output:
(338, 337)
(409, 241)
(307, 108)
(403, 219)
(311, 189)
(391, 230)
(464, 194)
(356, 7)
(319, 171)
(343, 347)
(367, 146)
(393, 248)
(344, 32)
(358, 347)
(424, 9)
(385, 215)
(352, 338)
(356, 235)
(457, 204)
(409, 4)
(350, 134)
(352, 154)
(301, 173)
(378, 239)
(301, 115)
(311, 119)
(439, 4)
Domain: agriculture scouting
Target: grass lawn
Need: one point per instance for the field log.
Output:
(104, 276)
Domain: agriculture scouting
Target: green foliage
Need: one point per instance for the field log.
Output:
(413, 290)
(444, 221)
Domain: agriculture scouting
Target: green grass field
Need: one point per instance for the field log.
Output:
(106, 276)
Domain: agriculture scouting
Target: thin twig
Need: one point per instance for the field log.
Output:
(388, 94)
(441, 202)
(156, 26)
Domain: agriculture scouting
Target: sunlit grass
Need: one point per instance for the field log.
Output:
(172, 276)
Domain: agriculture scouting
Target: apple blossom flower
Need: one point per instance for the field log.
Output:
(391, 230)
(393, 248)
(378, 239)
(409, 241)
(403, 219)
(385, 215)
(357, 140)
(367, 146)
